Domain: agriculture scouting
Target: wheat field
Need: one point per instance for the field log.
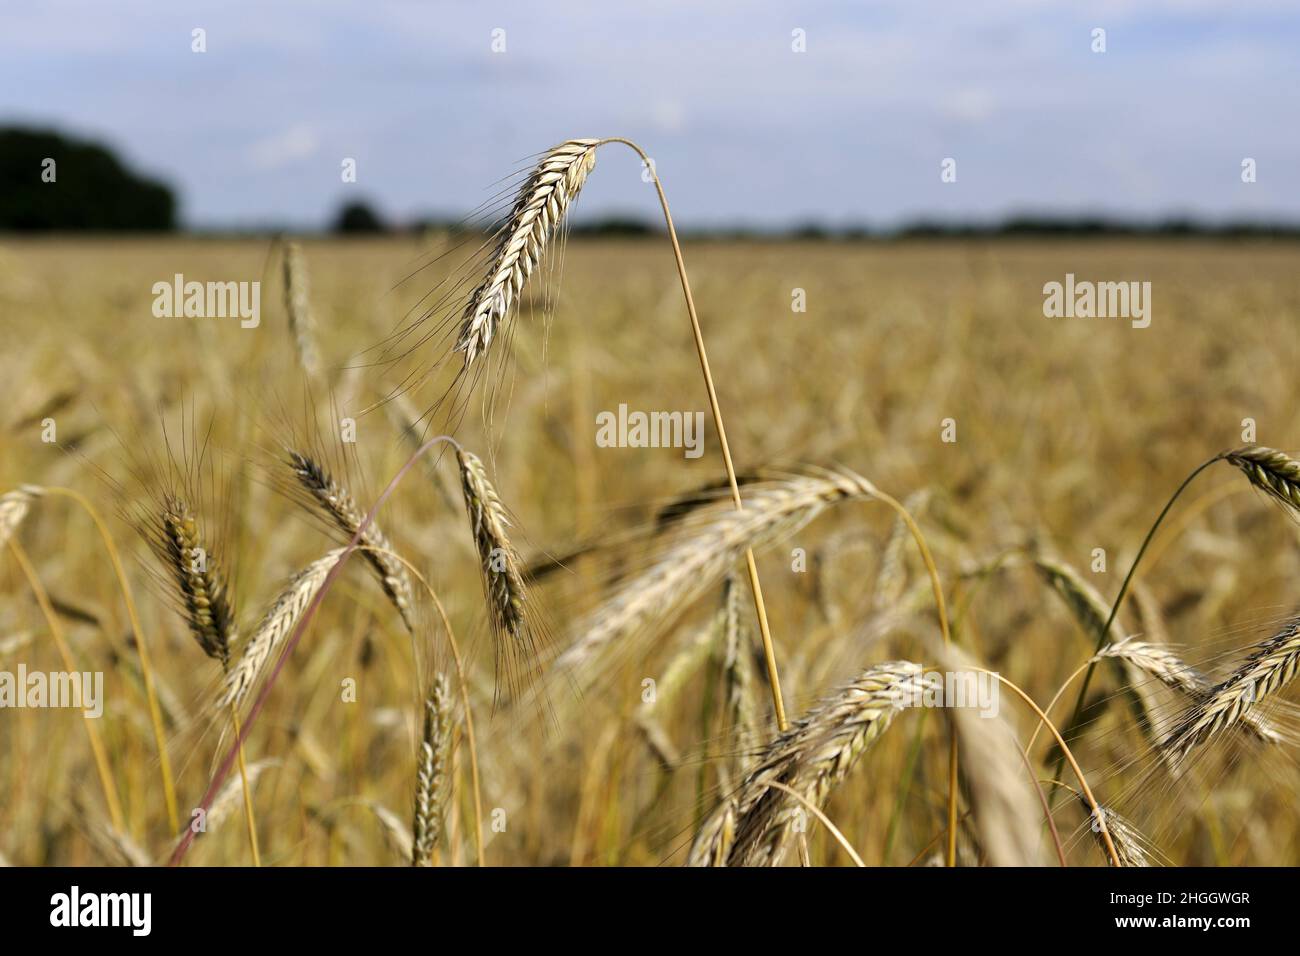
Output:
(611, 665)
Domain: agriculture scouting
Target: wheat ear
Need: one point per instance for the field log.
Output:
(1130, 844)
(432, 769)
(203, 591)
(336, 502)
(1272, 471)
(1270, 667)
(14, 506)
(814, 755)
(500, 568)
(698, 555)
(275, 626)
(1176, 674)
(538, 211)
(297, 303)
(230, 796)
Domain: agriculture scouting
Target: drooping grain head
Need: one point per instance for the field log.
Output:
(700, 549)
(336, 503)
(1270, 667)
(1130, 844)
(539, 208)
(1089, 608)
(814, 755)
(432, 773)
(1275, 473)
(501, 570)
(202, 589)
(278, 622)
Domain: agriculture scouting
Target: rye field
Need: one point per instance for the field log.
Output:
(545, 650)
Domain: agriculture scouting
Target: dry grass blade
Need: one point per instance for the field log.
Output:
(336, 502)
(1269, 668)
(1274, 472)
(539, 208)
(203, 592)
(432, 782)
(500, 567)
(275, 626)
(814, 755)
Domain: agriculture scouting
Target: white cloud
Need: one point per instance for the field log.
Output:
(283, 149)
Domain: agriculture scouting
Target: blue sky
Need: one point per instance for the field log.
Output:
(742, 129)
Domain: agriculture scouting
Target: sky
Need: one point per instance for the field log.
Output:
(743, 129)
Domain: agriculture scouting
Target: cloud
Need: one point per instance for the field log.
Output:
(296, 143)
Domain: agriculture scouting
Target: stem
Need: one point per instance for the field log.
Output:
(96, 745)
(1065, 750)
(146, 669)
(950, 856)
(248, 796)
(769, 653)
(1073, 726)
(825, 820)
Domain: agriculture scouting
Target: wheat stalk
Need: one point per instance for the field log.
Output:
(1269, 668)
(1272, 471)
(297, 304)
(275, 626)
(431, 780)
(814, 755)
(539, 208)
(736, 670)
(336, 502)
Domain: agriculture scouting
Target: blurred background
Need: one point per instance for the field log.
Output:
(824, 116)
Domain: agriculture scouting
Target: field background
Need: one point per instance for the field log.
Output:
(1071, 435)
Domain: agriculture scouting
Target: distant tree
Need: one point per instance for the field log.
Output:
(358, 217)
(52, 182)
